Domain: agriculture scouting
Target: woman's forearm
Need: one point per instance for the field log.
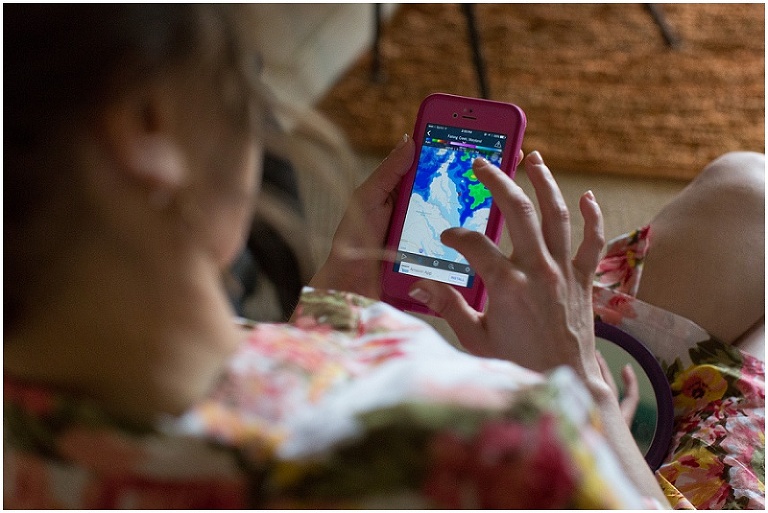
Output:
(620, 439)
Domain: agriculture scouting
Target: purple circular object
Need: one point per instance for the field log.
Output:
(665, 414)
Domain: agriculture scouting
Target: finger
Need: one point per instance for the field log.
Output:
(378, 187)
(520, 157)
(519, 212)
(449, 304)
(481, 253)
(605, 372)
(631, 394)
(591, 247)
(555, 218)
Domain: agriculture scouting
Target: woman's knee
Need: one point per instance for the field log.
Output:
(707, 256)
(730, 189)
(739, 169)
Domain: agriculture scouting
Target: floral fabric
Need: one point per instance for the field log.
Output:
(359, 405)
(356, 405)
(717, 455)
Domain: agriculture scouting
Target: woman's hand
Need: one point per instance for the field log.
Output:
(540, 297)
(539, 311)
(354, 264)
(628, 404)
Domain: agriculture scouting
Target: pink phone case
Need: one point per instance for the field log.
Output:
(448, 118)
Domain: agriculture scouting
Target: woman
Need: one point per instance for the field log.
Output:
(133, 136)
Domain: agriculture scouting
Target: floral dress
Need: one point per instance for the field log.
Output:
(358, 405)
(717, 456)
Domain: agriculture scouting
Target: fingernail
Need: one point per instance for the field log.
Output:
(420, 295)
(590, 195)
(535, 158)
(482, 161)
(400, 144)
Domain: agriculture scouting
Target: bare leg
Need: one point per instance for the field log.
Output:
(707, 255)
(753, 341)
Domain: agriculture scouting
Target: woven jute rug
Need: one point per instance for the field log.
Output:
(602, 91)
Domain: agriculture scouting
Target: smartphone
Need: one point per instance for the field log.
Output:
(440, 191)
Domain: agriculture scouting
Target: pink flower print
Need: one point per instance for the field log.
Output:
(710, 432)
(616, 309)
(752, 381)
(746, 483)
(613, 270)
(624, 304)
(507, 466)
(752, 367)
(620, 268)
(742, 437)
(523, 468)
(688, 423)
(381, 350)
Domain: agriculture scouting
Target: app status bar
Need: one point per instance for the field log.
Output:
(497, 147)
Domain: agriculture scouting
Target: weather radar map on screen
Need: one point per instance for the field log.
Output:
(446, 193)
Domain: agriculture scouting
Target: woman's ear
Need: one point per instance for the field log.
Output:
(139, 135)
(157, 160)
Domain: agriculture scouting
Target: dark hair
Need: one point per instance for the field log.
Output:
(62, 63)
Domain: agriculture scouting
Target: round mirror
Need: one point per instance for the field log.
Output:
(653, 423)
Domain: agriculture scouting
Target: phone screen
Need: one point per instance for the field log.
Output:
(446, 194)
